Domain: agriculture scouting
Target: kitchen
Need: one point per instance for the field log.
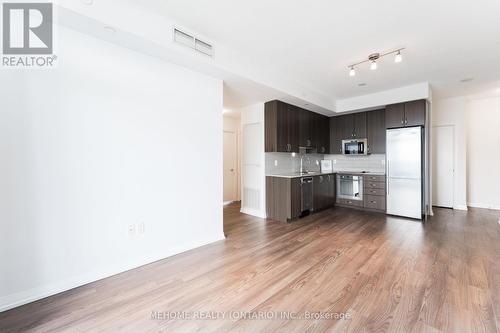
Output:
(370, 160)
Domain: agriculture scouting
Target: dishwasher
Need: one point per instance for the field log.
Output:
(306, 195)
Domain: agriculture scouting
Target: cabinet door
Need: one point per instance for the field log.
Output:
(330, 190)
(395, 115)
(315, 130)
(295, 198)
(320, 192)
(287, 128)
(322, 134)
(271, 126)
(376, 131)
(293, 127)
(305, 139)
(347, 126)
(415, 113)
(335, 136)
(317, 180)
(360, 125)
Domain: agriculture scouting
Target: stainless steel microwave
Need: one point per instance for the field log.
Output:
(355, 147)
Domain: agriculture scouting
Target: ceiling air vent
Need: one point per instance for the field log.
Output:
(192, 42)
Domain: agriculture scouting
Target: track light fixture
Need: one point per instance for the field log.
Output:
(352, 72)
(398, 57)
(372, 58)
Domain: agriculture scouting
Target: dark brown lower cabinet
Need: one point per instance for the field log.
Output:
(374, 192)
(323, 191)
(283, 198)
(373, 195)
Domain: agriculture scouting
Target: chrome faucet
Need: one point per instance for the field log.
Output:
(302, 170)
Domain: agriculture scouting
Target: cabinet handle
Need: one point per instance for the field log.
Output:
(373, 202)
(406, 121)
(402, 121)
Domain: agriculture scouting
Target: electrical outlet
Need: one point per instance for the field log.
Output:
(131, 229)
(275, 162)
(334, 161)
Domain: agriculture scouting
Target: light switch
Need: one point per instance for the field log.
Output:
(275, 162)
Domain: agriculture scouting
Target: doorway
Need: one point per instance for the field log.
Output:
(230, 166)
(443, 157)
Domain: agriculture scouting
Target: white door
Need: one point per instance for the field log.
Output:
(443, 166)
(230, 164)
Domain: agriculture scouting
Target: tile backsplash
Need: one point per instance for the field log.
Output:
(373, 162)
(278, 163)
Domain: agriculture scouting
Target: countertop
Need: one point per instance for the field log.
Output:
(318, 173)
(299, 175)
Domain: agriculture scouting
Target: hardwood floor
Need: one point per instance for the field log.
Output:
(386, 274)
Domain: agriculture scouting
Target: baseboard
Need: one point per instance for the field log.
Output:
(253, 212)
(460, 207)
(27, 296)
(482, 205)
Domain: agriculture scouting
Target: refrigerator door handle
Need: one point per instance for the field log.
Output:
(388, 177)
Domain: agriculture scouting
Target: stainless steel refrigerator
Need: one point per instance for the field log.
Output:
(404, 172)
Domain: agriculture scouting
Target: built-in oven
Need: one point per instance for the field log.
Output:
(355, 147)
(349, 187)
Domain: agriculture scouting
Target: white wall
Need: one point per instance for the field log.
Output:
(483, 152)
(104, 141)
(253, 180)
(476, 120)
(386, 97)
(452, 111)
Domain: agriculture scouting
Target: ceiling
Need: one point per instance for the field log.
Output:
(313, 42)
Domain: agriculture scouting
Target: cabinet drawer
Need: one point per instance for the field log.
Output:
(371, 184)
(374, 191)
(374, 202)
(374, 178)
(348, 202)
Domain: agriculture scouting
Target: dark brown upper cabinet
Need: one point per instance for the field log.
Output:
(336, 135)
(346, 123)
(320, 132)
(289, 128)
(353, 125)
(375, 128)
(305, 137)
(415, 113)
(405, 114)
(281, 122)
(360, 125)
